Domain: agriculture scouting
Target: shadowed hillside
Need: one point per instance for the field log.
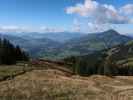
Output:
(117, 60)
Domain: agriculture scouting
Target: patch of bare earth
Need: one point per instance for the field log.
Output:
(55, 85)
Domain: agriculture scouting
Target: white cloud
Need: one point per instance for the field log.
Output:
(76, 26)
(93, 27)
(100, 13)
(127, 9)
(11, 28)
(19, 29)
(51, 29)
(83, 9)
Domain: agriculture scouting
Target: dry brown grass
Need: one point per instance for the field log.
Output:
(55, 85)
(7, 72)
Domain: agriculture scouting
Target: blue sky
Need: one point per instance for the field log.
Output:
(57, 15)
(33, 12)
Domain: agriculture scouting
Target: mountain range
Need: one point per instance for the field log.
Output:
(95, 41)
(90, 43)
(59, 45)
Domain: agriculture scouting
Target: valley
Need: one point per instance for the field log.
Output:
(56, 46)
(66, 50)
(70, 66)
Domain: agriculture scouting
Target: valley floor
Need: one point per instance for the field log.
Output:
(52, 84)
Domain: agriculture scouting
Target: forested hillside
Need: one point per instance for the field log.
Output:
(10, 54)
(117, 60)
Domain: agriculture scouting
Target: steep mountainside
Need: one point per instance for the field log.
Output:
(122, 55)
(117, 60)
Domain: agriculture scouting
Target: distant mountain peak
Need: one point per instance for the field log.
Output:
(111, 31)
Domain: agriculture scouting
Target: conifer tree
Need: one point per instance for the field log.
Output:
(9, 54)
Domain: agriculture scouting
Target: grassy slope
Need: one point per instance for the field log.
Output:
(45, 82)
(52, 84)
(7, 72)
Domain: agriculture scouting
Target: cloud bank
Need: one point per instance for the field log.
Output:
(20, 29)
(102, 13)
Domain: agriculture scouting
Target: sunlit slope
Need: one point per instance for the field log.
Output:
(53, 84)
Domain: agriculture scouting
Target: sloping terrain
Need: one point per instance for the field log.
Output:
(122, 55)
(53, 84)
(117, 60)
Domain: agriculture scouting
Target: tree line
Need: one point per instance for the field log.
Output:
(10, 54)
(97, 63)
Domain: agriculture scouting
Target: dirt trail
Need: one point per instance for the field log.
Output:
(53, 65)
